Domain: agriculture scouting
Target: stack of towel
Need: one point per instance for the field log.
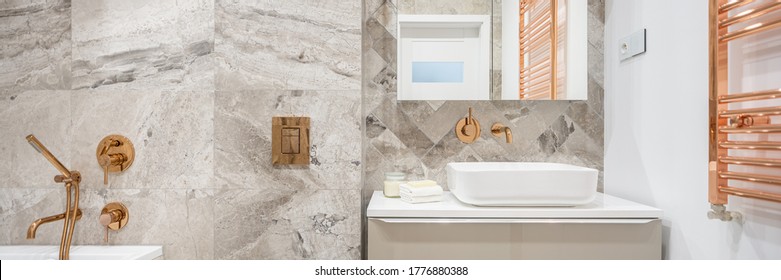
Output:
(420, 191)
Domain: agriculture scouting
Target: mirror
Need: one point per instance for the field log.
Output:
(492, 49)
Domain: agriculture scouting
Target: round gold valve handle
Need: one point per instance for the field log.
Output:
(468, 129)
(114, 216)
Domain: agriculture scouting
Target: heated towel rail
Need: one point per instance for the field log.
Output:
(733, 116)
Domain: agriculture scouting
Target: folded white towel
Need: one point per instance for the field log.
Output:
(422, 183)
(420, 191)
(421, 199)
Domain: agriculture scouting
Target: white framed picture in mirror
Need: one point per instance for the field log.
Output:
(444, 57)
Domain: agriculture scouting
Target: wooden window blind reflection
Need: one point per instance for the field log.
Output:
(542, 33)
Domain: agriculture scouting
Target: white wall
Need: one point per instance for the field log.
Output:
(656, 129)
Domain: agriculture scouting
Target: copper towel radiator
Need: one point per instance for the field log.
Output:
(725, 121)
(540, 35)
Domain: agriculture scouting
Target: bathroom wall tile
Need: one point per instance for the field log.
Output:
(596, 25)
(597, 8)
(181, 220)
(596, 63)
(464, 7)
(21, 206)
(287, 223)
(143, 44)
(373, 64)
(371, 6)
(588, 120)
(386, 16)
(407, 132)
(496, 49)
(36, 52)
(382, 41)
(436, 125)
(172, 133)
(243, 139)
(47, 115)
(596, 96)
(295, 45)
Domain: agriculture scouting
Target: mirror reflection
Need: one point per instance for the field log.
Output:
(492, 50)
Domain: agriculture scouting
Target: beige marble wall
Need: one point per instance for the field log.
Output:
(36, 50)
(194, 85)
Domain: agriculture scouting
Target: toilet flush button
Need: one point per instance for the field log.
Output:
(290, 141)
(631, 45)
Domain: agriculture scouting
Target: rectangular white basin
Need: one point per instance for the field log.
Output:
(521, 183)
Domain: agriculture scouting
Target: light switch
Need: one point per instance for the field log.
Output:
(631, 45)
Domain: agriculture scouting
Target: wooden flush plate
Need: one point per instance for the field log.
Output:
(290, 140)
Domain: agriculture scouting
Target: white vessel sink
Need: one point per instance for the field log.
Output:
(521, 183)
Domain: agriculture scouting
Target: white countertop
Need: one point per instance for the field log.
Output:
(604, 206)
(81, 252)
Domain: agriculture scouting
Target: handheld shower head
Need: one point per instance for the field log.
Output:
(45, 152)
(33, 144)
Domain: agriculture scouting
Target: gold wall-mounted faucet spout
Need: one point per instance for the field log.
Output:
(497, 129)
(45, 220)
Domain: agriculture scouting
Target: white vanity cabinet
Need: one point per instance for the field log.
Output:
(608, 228)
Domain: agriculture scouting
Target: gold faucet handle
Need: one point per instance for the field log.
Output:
(105, 161)
(106, 219)
(114, 216)
(110, 160)
(115, 153)
(468, 129)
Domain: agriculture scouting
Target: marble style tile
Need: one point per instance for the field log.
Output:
(36, 52)
(295, 45)
(596, 96)
(287, 223)
(596, 63)
(496, 50)
(172, 133)
(180, 220)
(371, 6)
(450, 7)
(406, 131)
(143, 44)
(47, 115)
(243, 139)
(386, 16)
(21, 206)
